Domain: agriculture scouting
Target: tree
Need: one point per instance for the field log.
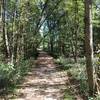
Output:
(4, 28)
(89, 45)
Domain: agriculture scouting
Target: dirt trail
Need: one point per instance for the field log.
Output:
(44, 82)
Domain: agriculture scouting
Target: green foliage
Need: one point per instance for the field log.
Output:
(77, 71)
(68, 96)
(58, 25)
(6, 72)
(64, 63)
(21, 69)
(11, 75)
(90, 98)
(97, 97)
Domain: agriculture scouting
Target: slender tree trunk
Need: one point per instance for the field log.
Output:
(51, 45)
(89, 45)
(43, 42)
(76, 31)
(5, 35)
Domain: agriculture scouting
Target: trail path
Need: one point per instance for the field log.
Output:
(44, 82)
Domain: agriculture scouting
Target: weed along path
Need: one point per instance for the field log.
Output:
(44, 82)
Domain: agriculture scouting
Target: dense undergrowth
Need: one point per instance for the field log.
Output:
(11, 75)
(77, 72)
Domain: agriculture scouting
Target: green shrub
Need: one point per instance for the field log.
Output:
(65, 63)
(77, 70)
(6, 70)
(21, 69)
(10, 75)
(6, 74)
(97, 97)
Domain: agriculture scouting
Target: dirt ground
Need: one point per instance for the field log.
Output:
(44, 82)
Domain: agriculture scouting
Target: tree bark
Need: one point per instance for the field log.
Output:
(76, 30)
(89, 45)
(4, 28)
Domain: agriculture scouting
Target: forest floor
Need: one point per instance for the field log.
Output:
(47, 82)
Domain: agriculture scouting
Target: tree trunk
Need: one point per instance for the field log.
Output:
(76, 30)
(89, 45)
(4, 28)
